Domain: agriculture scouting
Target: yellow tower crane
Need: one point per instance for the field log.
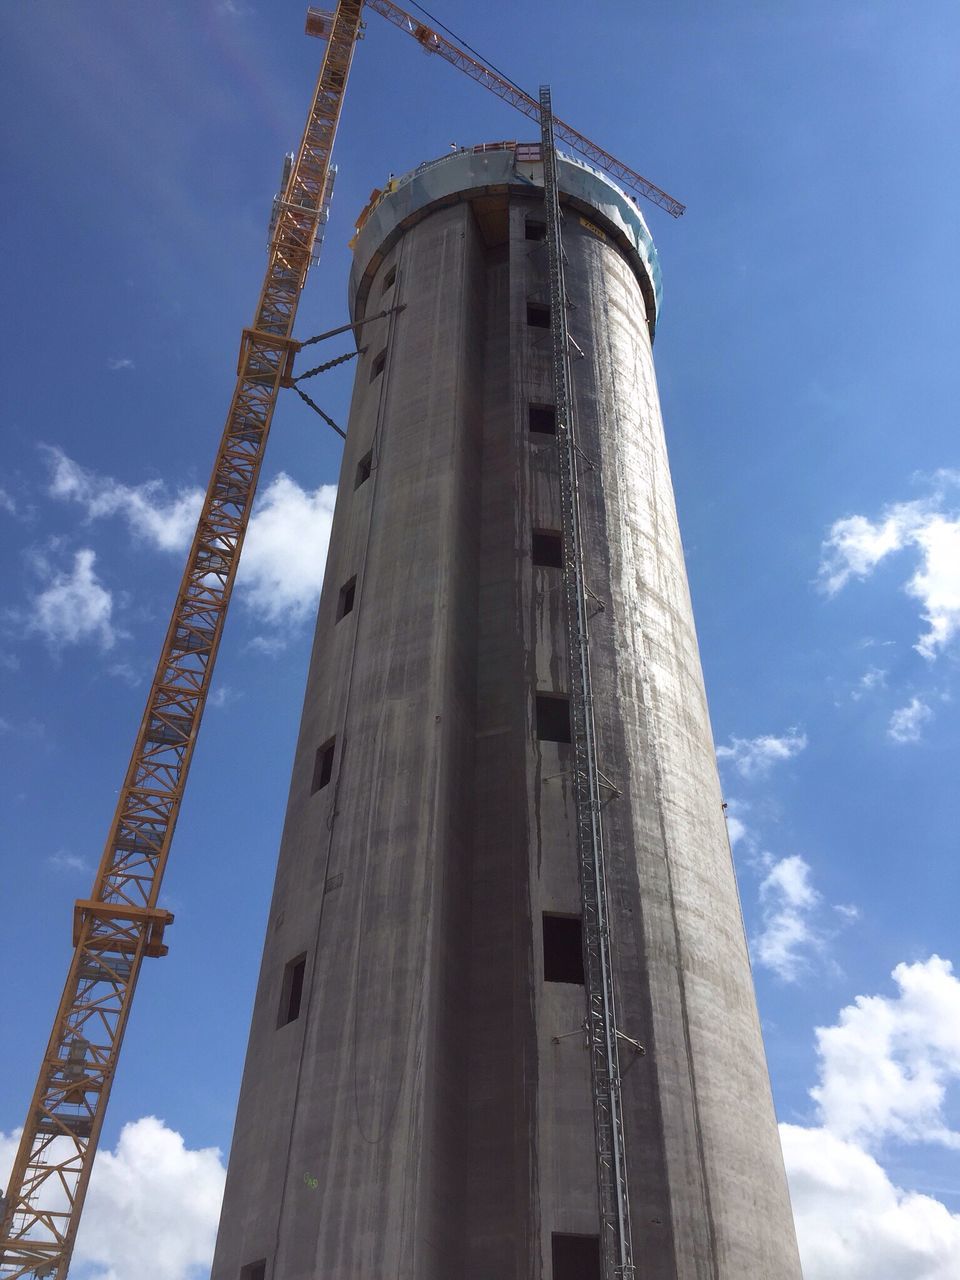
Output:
(121, 922)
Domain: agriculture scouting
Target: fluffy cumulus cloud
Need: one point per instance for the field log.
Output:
(886, 1068)
(906, 723)
(788, 903)
(150, 1197)
(281, 569)
(755, 757)
(930, 528)
(152, 515)
(73, 606)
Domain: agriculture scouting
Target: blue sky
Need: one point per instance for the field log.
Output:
(808, 370)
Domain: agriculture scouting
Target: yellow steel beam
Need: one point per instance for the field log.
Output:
(120, 922)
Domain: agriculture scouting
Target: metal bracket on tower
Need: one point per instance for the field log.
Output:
(601, 1023)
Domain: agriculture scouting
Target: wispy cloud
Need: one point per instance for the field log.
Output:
(7, 503)
(74, 606)
(930, 527)
(788, 902)
(755, 757)
(116, 363)
(872, 679)
(886, 1069)
(150, 513)
(906, 723)
(62, 860)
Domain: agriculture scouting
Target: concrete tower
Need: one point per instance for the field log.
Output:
(416, 1101)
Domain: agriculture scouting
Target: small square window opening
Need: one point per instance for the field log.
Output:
(534, 229)
(553, 718)
(562, 949)
(389, 280)
(538, 315)
(576, 1257)
(323, 766)
(379, 363)
(364, 467)
(348, 594)
(543, 418)
(254, 1270)
(291, 991)
(547, 549)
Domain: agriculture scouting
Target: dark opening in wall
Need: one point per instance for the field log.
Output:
(547, 549)
(348, 594)
(534, 229)
(576, 1257)
(254, 1270)
(323, 765)
(364, 467)
(538, 315)
(291, 992)
(389, 280)
(379, 362)
(562, 949)
(553, 718)
(543, 418)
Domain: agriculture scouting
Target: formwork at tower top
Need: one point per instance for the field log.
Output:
(432, 1081)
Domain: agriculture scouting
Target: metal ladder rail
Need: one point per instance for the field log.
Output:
(615, 1236)
(121, 923)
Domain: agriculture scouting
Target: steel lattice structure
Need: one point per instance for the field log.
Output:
(601, 1021)
(433, 42)
(121, 922)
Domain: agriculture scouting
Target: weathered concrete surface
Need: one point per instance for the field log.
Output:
(417, 1120)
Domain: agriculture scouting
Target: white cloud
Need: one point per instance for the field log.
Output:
(930, 526)
(788, 901)
(886, 1065)
(755, 757)
(152, 1197)
(853, 1223)
(873, 678)
(64, 861)
(7, 503)
(115, 363)
(74, 606)
(281, 569)
(164, 522)
(885, 1071)
(906, 723)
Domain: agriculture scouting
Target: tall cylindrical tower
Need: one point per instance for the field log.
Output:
(416, 1102)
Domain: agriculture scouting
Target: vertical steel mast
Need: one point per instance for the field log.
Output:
(601, 1024)
(121, 922)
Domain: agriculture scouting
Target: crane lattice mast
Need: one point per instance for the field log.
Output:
(121, 922)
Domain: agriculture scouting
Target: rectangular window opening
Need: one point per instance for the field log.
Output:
(323, 766)
(291, 993)
(254, 1270)
(538, 315)
(562, 949)
(379, 363)
(389, 280)
(543, 418)
(348, 594)
(534, 229)
(553, 718)
(364, 467)
(547, 549)
(576, 1257)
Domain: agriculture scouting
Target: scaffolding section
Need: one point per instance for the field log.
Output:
(601, 1023)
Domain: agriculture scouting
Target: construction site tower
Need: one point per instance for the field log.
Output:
(420, 1095)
